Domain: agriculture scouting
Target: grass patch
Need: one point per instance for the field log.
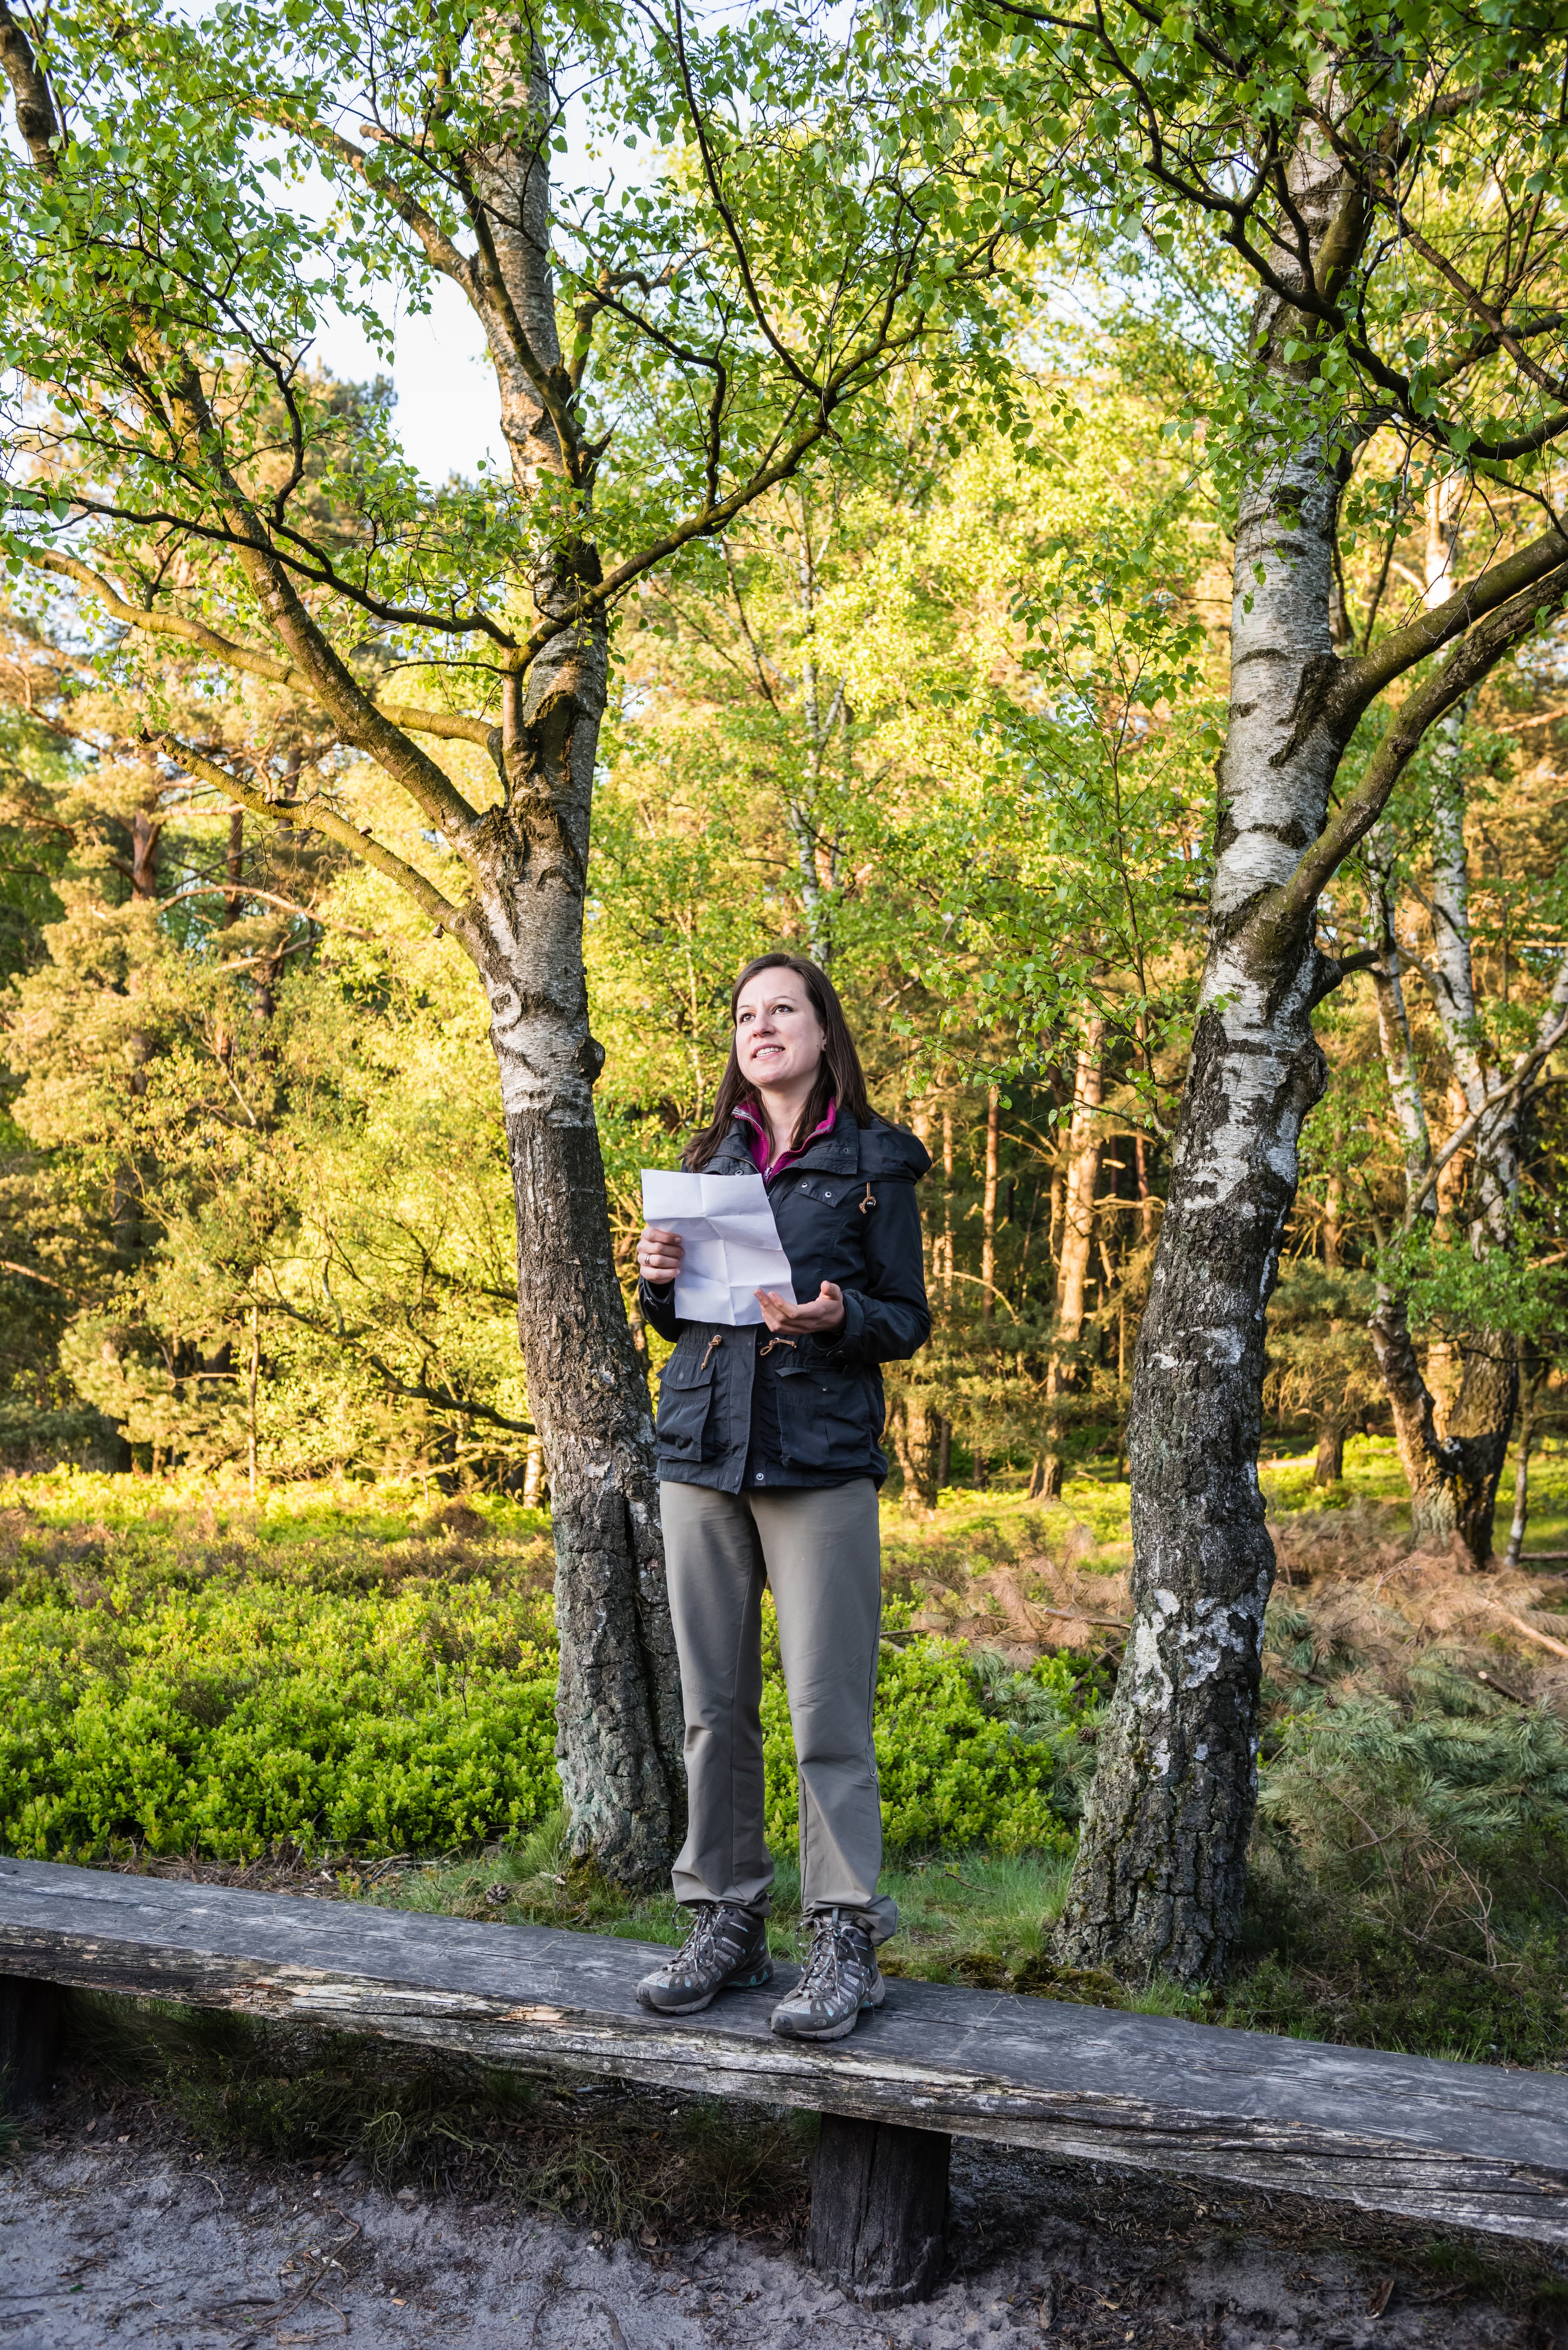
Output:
(973, 1533)
(980, 1919)
(1373, 1475)
(1001, 1524)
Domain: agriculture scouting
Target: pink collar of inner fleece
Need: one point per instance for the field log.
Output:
(766, 1165)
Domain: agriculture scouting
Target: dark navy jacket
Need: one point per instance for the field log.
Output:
(847, 1213)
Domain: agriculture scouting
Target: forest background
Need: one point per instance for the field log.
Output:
(949, 727)
(940, 705)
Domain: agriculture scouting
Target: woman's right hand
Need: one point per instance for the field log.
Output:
(659, 1256)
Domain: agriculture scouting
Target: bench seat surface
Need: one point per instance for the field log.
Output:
(1472, 2146)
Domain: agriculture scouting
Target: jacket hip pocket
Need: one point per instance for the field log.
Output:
(686, 1426)
(826, 1418)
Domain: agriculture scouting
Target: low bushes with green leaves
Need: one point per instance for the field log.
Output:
(213, 1682)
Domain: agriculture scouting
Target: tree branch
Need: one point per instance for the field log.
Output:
(316, 817)
(720, 206)
(1523, 1069)
(268, 898)
(1307, 298)
(331, 682)
(1478, 652)
(1487, 346)
(439, 248)
(1336, 969)
(450, 726)
(35, 116)
(1363, 679)
(8, 1264)
(442, 1398)
(713, 518)
(1476, 302)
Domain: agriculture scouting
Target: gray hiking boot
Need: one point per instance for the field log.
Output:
(841, 1980)
(725, 1949)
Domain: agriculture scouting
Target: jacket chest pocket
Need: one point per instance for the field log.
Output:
(686, 1424)
(820, 1227)
(827, 1419)
(827, 1191)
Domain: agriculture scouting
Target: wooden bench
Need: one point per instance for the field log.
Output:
(1457, 2146)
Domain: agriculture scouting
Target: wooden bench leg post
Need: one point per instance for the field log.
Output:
(31, 2018)
(878, 2209)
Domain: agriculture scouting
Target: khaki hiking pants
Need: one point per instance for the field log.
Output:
(818, 1550)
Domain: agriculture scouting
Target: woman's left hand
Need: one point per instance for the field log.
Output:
(824, 1313)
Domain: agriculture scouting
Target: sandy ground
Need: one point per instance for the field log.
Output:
(148, 2244)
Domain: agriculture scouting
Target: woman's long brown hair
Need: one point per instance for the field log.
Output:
(840, 1080)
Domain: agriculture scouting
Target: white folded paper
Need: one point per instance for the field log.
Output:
(732, 1246)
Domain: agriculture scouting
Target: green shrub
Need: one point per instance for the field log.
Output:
(349, 1680)
(957, 1767)
(223, 1721)
(1444, 1815)
(1409, 1878)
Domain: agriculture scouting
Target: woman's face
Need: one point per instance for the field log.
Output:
(778, 1036)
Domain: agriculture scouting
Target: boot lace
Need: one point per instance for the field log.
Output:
(698, 1948)
(820, 1976)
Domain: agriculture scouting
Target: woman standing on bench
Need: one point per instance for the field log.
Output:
(769, 1468)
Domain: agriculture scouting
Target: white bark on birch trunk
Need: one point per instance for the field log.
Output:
(988, 1205)
(947, 1240)
(1083, 1175)
(1451, 1423)
(1158, 1882)
(1428, 1470)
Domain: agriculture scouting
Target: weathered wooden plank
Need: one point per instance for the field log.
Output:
(1466, 2145)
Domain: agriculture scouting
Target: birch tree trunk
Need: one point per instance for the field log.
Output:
(816, 853)
(234, 868)
(1453, 1433)
(1147, 1206)
(916, 1432)
(1334, 1208)
(913, 1423)
(1316, 185)
(1427, 1472)
(1328, 1467)
(988, 1204)
(1523, 1448)
(946, 1243)
(1083, 1175)
(1073, 1191)
(619, 1732)
(1160, 1877)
